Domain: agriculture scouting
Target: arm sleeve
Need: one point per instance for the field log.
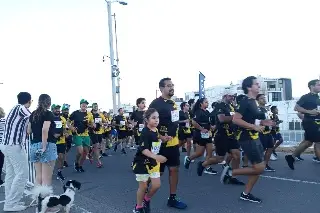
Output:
(48, 116)
(144, 141)
(24, 112)
(302, 100)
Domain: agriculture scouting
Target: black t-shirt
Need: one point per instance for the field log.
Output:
(310, 101)
(225, 129)
(248, 108)
(148, 140)
(80, 121)
(137, 116)
(168, 116)
(265, 116)
(275, 118)
(120, 122)
(202, 117)
(182, 117)
(37, 125)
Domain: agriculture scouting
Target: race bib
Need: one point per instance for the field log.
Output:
(97, 120)
(257, 122)
(58, 124)
(122, 123)
(205, 135)
(174, 115)
(141, 126)
(231, 113)
(188, 125)
(155, 148)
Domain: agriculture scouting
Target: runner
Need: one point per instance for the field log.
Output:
(248, 118)
(147, 162)
(120, 122)
(106, 137)
(309, 105)
(137, 119)
(168, 126)
(275, 131)
(65, 113)
(185, 135)
(79, 123)
(59, 133)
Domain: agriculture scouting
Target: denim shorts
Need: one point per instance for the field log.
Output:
(50, 154)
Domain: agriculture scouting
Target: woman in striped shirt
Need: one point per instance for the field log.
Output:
(2, 124)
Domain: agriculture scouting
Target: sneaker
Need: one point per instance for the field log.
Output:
(200, 168)
(176, 203)
(269, 169)
(290, 161)
(223, 162)
(299, 158)
(316, 159)
(76, 167)
(60, 176)
(16, 208)
(99, 165)
(275, 154)
(235, 181)
(132, 148)
(65, 164)
(224, 178)
(123, 151)
(186, 162)
(81, 169)
(210, 171)
(146, 205)
(250, 197)
(1, 183)
(135, 210)
(273, 157)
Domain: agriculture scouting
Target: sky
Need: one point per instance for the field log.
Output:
(56, 47)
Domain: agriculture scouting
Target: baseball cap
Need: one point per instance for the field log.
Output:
(54, 106)
(84, 101)
(65, 106)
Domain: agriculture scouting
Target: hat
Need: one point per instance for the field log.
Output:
(228, 92)
(65, 106)
(84, 101)
(94, 104)
(54, 106)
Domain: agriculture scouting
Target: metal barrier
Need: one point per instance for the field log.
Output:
(31, 169)
(292, 137)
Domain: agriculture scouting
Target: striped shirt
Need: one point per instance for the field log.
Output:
(15, 131)
(2, 124)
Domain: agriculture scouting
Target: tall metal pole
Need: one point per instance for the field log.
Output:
(117, 58)
(113, 79)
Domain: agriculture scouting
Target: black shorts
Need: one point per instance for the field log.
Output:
(173, 157)
(311, 131)
(130, 133)
(277, 136)
(225, 144)
(122, 134)
(201, 141)
(61, 148)
(182, 136)
(96, 138)
(106, 134)
(266, 140)
(137, 139)
(253, 149)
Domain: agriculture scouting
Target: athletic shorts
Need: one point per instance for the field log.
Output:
(201, 141)
(311, 130)
(225, 144)
(81, 140)
(266, 141)
(130, 133)
(253, 149)
(183, 136)
(61, 148)
(172, 154)
(144, 172)
(96, 138)
(106, 134)
(277, 136)
(122, 134)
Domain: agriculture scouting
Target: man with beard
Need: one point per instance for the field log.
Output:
(60, 132)
(168, 129)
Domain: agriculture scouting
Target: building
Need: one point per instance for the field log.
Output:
(275, 89)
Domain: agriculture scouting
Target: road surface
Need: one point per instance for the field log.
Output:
(112, 189)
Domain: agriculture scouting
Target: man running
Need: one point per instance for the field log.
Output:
(168, 129)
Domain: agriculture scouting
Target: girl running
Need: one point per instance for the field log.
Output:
(146, 164)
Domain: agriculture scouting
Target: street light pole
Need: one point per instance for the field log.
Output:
(113, 78)
(117, 58)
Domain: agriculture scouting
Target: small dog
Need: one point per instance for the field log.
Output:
(47, 202)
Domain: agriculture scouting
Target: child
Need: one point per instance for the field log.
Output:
(147, 162)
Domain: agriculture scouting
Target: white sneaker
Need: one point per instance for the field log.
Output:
(273, 157)
(132, 148)
(16, 208)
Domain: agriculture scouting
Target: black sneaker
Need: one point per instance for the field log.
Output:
(299, 158)
(135, 210)
(76, 167)
(81, 169)
(60, 176)
(123, 151)
(250, 197)
(200, 168)
(316, 159)
(65, 164)
(146, 205)
(274, 152)
(235, 181)
(210, 171)
(269, 169)
(176, 203)
(290, 161)
(186, 162)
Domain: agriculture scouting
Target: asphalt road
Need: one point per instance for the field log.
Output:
(112, 189)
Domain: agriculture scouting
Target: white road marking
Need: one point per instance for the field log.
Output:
(291, 180)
